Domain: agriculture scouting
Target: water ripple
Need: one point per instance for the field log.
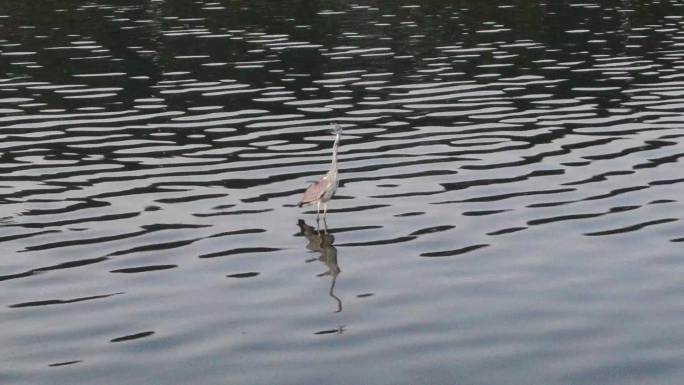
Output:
(519, 163)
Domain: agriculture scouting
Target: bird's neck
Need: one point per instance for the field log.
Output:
(334, 155)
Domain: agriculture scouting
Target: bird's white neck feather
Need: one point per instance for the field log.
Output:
(333, 166)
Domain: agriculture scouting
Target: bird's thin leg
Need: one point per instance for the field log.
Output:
(325, 212)
(318, 212)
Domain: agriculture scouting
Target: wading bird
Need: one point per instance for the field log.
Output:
(321, 191)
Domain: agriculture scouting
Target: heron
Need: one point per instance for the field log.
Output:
(321, 191)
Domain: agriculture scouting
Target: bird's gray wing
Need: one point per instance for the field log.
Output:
(314, 192)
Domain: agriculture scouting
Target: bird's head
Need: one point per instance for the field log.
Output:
(336, 129)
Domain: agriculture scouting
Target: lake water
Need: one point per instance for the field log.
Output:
(509, 212)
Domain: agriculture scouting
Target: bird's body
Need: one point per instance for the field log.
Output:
(321, 191)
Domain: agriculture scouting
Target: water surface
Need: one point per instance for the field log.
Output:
(509, 212)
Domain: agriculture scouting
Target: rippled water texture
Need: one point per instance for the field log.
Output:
(509, 212)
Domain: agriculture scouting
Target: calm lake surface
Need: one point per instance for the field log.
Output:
(509, 212)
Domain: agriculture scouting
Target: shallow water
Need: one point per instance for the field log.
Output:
(509, 211)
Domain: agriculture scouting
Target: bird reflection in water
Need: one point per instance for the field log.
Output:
(322, 243)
